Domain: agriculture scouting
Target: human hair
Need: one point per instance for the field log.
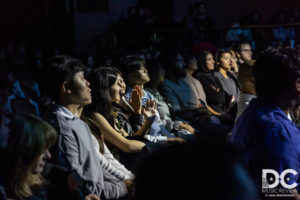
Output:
(58, 70)
(219, 55)
(188, 57)
(193, 171)
(201, 58)
(30, 137)
(275, 72)
(154, 67)
(238, 46)
(168, 59)
(131, 64)
(101, 80)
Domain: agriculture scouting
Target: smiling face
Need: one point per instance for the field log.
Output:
(117, 89)
(210, 62)
(225, 61)
(40, 162)
(80, 91)
(123, 86)
(245, 53)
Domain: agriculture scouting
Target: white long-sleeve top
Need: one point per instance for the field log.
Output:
(112, 165)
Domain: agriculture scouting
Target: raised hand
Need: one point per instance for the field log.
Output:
(136, 99)
(150, 108)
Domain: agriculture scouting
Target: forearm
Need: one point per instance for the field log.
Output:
(212, 110)
(107, 189)
(145, 128)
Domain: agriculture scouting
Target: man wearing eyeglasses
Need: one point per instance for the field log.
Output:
(243, 52)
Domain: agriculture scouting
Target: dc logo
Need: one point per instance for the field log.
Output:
(279, 178)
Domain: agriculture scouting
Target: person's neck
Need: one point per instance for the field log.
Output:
(189, 72)
(75, 109)
(223, 72)
(240, 60)
(248, 91)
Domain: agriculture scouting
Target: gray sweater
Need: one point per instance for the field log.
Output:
(75, 150)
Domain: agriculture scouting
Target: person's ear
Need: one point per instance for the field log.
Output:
(252, 80)
(66, 88)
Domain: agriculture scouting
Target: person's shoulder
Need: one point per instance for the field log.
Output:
(216, 74)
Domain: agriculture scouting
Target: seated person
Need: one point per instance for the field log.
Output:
(26, 153)
(27, 175)
(137, 75)
(129, 117)
(183, 100)
(243, 52)
(106, 85)
(215, 95)
(75, 147)
(197, 93)
(167, 117)
(264, 134)
(195, 89)
(108, 161)
(227, 79)
(246, 82)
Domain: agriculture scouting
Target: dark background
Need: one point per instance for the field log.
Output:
(75, 26)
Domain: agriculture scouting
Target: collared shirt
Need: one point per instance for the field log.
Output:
(75, 150)
(145, 97)
(65, 112)
(268, 139)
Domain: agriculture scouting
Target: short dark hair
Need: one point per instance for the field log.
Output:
(275, 71)
(58, 70)
(239, 45)
(219, 54)
(131, 64)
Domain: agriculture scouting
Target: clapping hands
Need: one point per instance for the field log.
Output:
(136, 99)
(149, 110)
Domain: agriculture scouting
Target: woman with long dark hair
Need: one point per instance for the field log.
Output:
(215, 95)
(106, 85)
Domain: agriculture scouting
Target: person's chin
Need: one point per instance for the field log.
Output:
(87, 102)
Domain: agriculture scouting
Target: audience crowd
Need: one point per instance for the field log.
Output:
(167, 123)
